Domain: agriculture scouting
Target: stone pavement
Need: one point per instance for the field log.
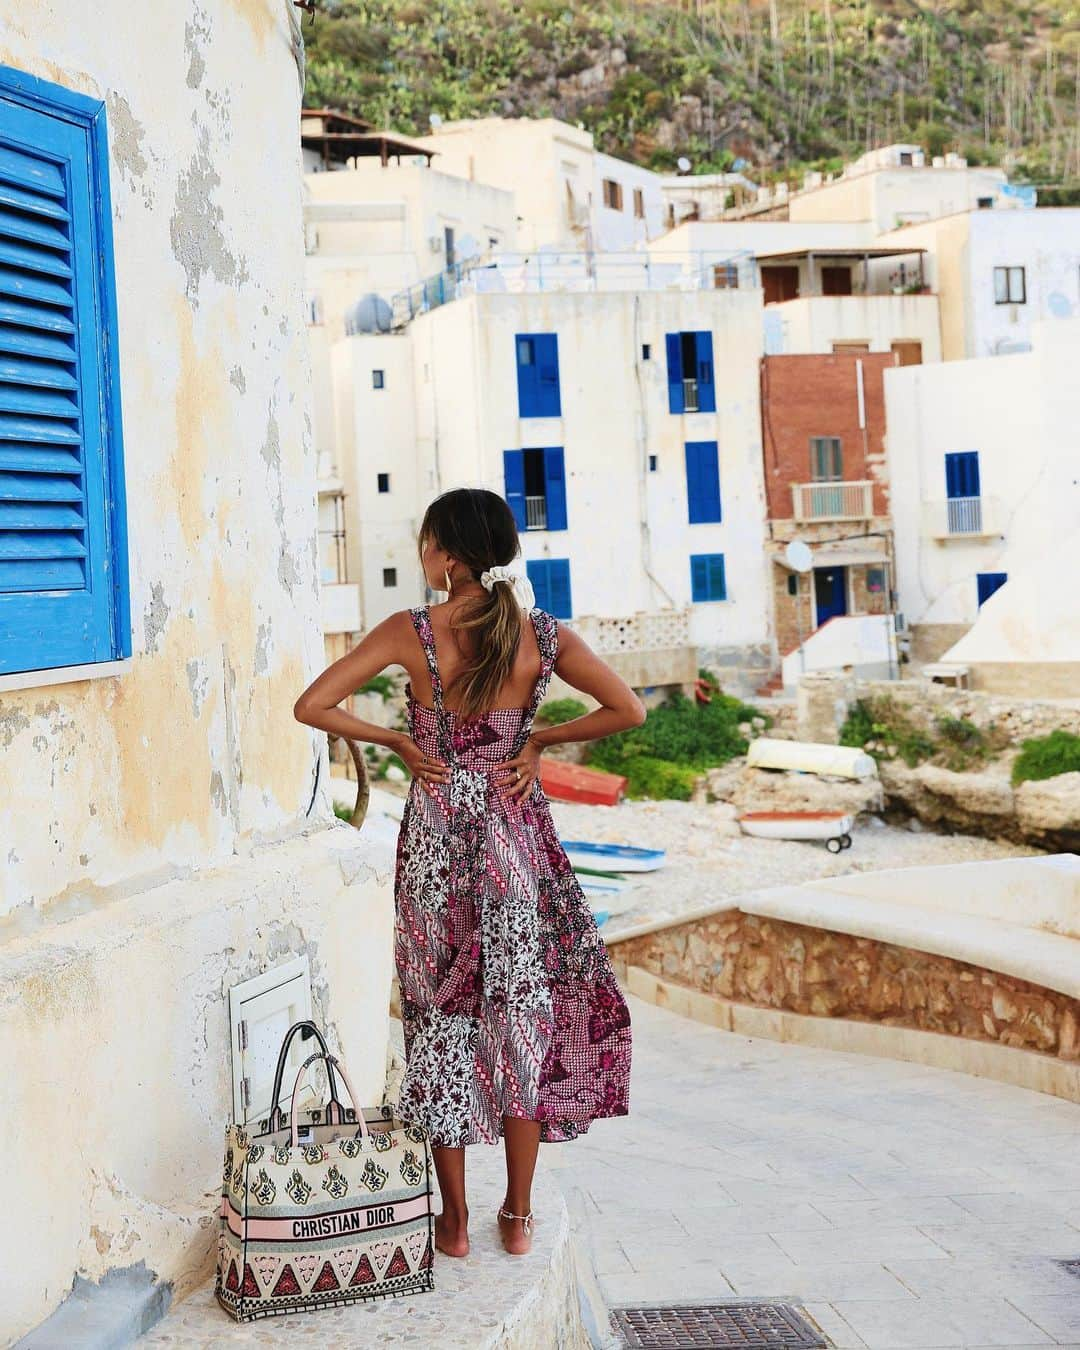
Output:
(900, 1206)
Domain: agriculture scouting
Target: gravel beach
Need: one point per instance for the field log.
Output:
(709, 859)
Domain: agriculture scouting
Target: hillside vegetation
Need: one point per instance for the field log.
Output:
(785, 84)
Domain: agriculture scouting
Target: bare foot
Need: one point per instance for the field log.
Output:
(515, 1239)
(452, 1234)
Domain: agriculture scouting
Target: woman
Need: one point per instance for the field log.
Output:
(514, 1025)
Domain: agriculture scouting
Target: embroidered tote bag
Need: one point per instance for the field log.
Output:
(331, 1208)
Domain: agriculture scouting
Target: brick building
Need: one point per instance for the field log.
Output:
(826, 483)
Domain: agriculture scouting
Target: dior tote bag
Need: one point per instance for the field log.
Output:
(333, 1208)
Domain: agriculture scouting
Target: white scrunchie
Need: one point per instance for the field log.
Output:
(520, 585)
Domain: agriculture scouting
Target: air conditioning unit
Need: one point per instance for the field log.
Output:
(435, 243)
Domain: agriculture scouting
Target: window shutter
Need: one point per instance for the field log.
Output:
(717, 579)
(555, 488)
(514, 480)
(703, 482)
(699, 577)
(547, 364)
(676, 401)
(61, 522)
(705, 375)
(989, 582)
(559, 587)
(962, 474)
(537, 572)
(525, 352)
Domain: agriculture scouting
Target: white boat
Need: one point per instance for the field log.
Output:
(839, 761)
(834, 827)
(613, 857)
(592, 883)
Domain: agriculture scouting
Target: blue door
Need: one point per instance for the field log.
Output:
(830, 593)
(987, 583)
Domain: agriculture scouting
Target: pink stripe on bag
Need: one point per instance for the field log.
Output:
(341, 1223)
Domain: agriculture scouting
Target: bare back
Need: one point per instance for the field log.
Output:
(453, 655)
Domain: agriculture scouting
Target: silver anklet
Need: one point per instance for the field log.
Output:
(526, 1220)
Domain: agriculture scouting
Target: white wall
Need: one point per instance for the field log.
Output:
(1046, 243)
(617, 230)
(1019, 413)
(763, 236)
(813, 324)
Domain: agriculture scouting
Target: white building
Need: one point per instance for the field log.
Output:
(997, 273)
(569, 196)
(984, 484)
(167, 833)
(623, 427)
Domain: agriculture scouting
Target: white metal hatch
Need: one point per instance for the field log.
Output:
(260, 1013)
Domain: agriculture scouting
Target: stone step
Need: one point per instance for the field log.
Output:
(485, 1301)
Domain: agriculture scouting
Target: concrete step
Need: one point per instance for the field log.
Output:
(484, 1301)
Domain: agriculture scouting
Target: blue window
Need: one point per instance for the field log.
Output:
(536, 487)
(690, 372)
(703, 481)
(989, 582)
(63, 543)
(551, 583)
(538, 375)
(962, 474)
(707, 579)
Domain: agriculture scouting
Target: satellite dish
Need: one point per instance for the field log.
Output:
(467, 247)
(370, 314)
(683, 164)
(434, 120)
(798, 556)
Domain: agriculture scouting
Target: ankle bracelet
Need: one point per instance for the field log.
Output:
(526, 1219)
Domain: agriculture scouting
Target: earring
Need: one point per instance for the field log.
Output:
(449, 583)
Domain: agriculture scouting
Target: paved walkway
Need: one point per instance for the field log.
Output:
(900, 1206)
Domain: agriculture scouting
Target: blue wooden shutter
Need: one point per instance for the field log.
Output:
(989, 582)
(536, 569)
(547, 366)
(704, 370)
(559, 588)
(676, 399)
(514, 480)
(62, 574)
(962, 474)
(702, 481)
(539, 394)
(555, 488)
(707, 579)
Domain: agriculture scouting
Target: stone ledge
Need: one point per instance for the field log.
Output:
(488, 1301)
(981, 1059)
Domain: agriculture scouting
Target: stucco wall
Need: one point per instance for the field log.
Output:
(814, 323)
(192, 752)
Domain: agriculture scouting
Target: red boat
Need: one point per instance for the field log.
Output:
(574, 783)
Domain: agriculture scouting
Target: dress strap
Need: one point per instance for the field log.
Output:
(546, 627)
(421, 620)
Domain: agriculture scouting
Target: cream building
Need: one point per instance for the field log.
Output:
(637, 482)
(167, 830)
(984, 488)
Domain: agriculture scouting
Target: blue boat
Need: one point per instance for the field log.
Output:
(614, 857)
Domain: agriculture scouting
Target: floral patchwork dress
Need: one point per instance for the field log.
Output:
(509, 1003)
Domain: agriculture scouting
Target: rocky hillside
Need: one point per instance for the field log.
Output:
(782, 84)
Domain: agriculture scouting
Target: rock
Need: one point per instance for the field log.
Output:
(768, 790)
(1053, 804)
(1069, 1036)
(724, 780)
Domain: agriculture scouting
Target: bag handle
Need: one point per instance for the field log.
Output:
(295, 1112)
(278, 1119)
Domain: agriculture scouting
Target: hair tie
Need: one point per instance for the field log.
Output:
(520, 585)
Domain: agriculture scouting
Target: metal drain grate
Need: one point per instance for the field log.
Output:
(715, 1326)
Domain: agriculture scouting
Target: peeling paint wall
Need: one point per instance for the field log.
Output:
(192, 754)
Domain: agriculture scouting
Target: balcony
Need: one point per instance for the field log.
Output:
(833, 501)
(963, 518)
(691, 401)
(651, 647)
(536, 512)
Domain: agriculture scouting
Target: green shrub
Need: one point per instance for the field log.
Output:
(383, 685)
(343, 813)
(884, 729)
(1046, 757)
(658, 779)
(557, 710)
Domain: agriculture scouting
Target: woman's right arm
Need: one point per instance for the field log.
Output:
(318, 707)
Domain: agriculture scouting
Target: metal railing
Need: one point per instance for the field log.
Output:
(964, 515)
(536, 513)
(833, 501)
(691, 402)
